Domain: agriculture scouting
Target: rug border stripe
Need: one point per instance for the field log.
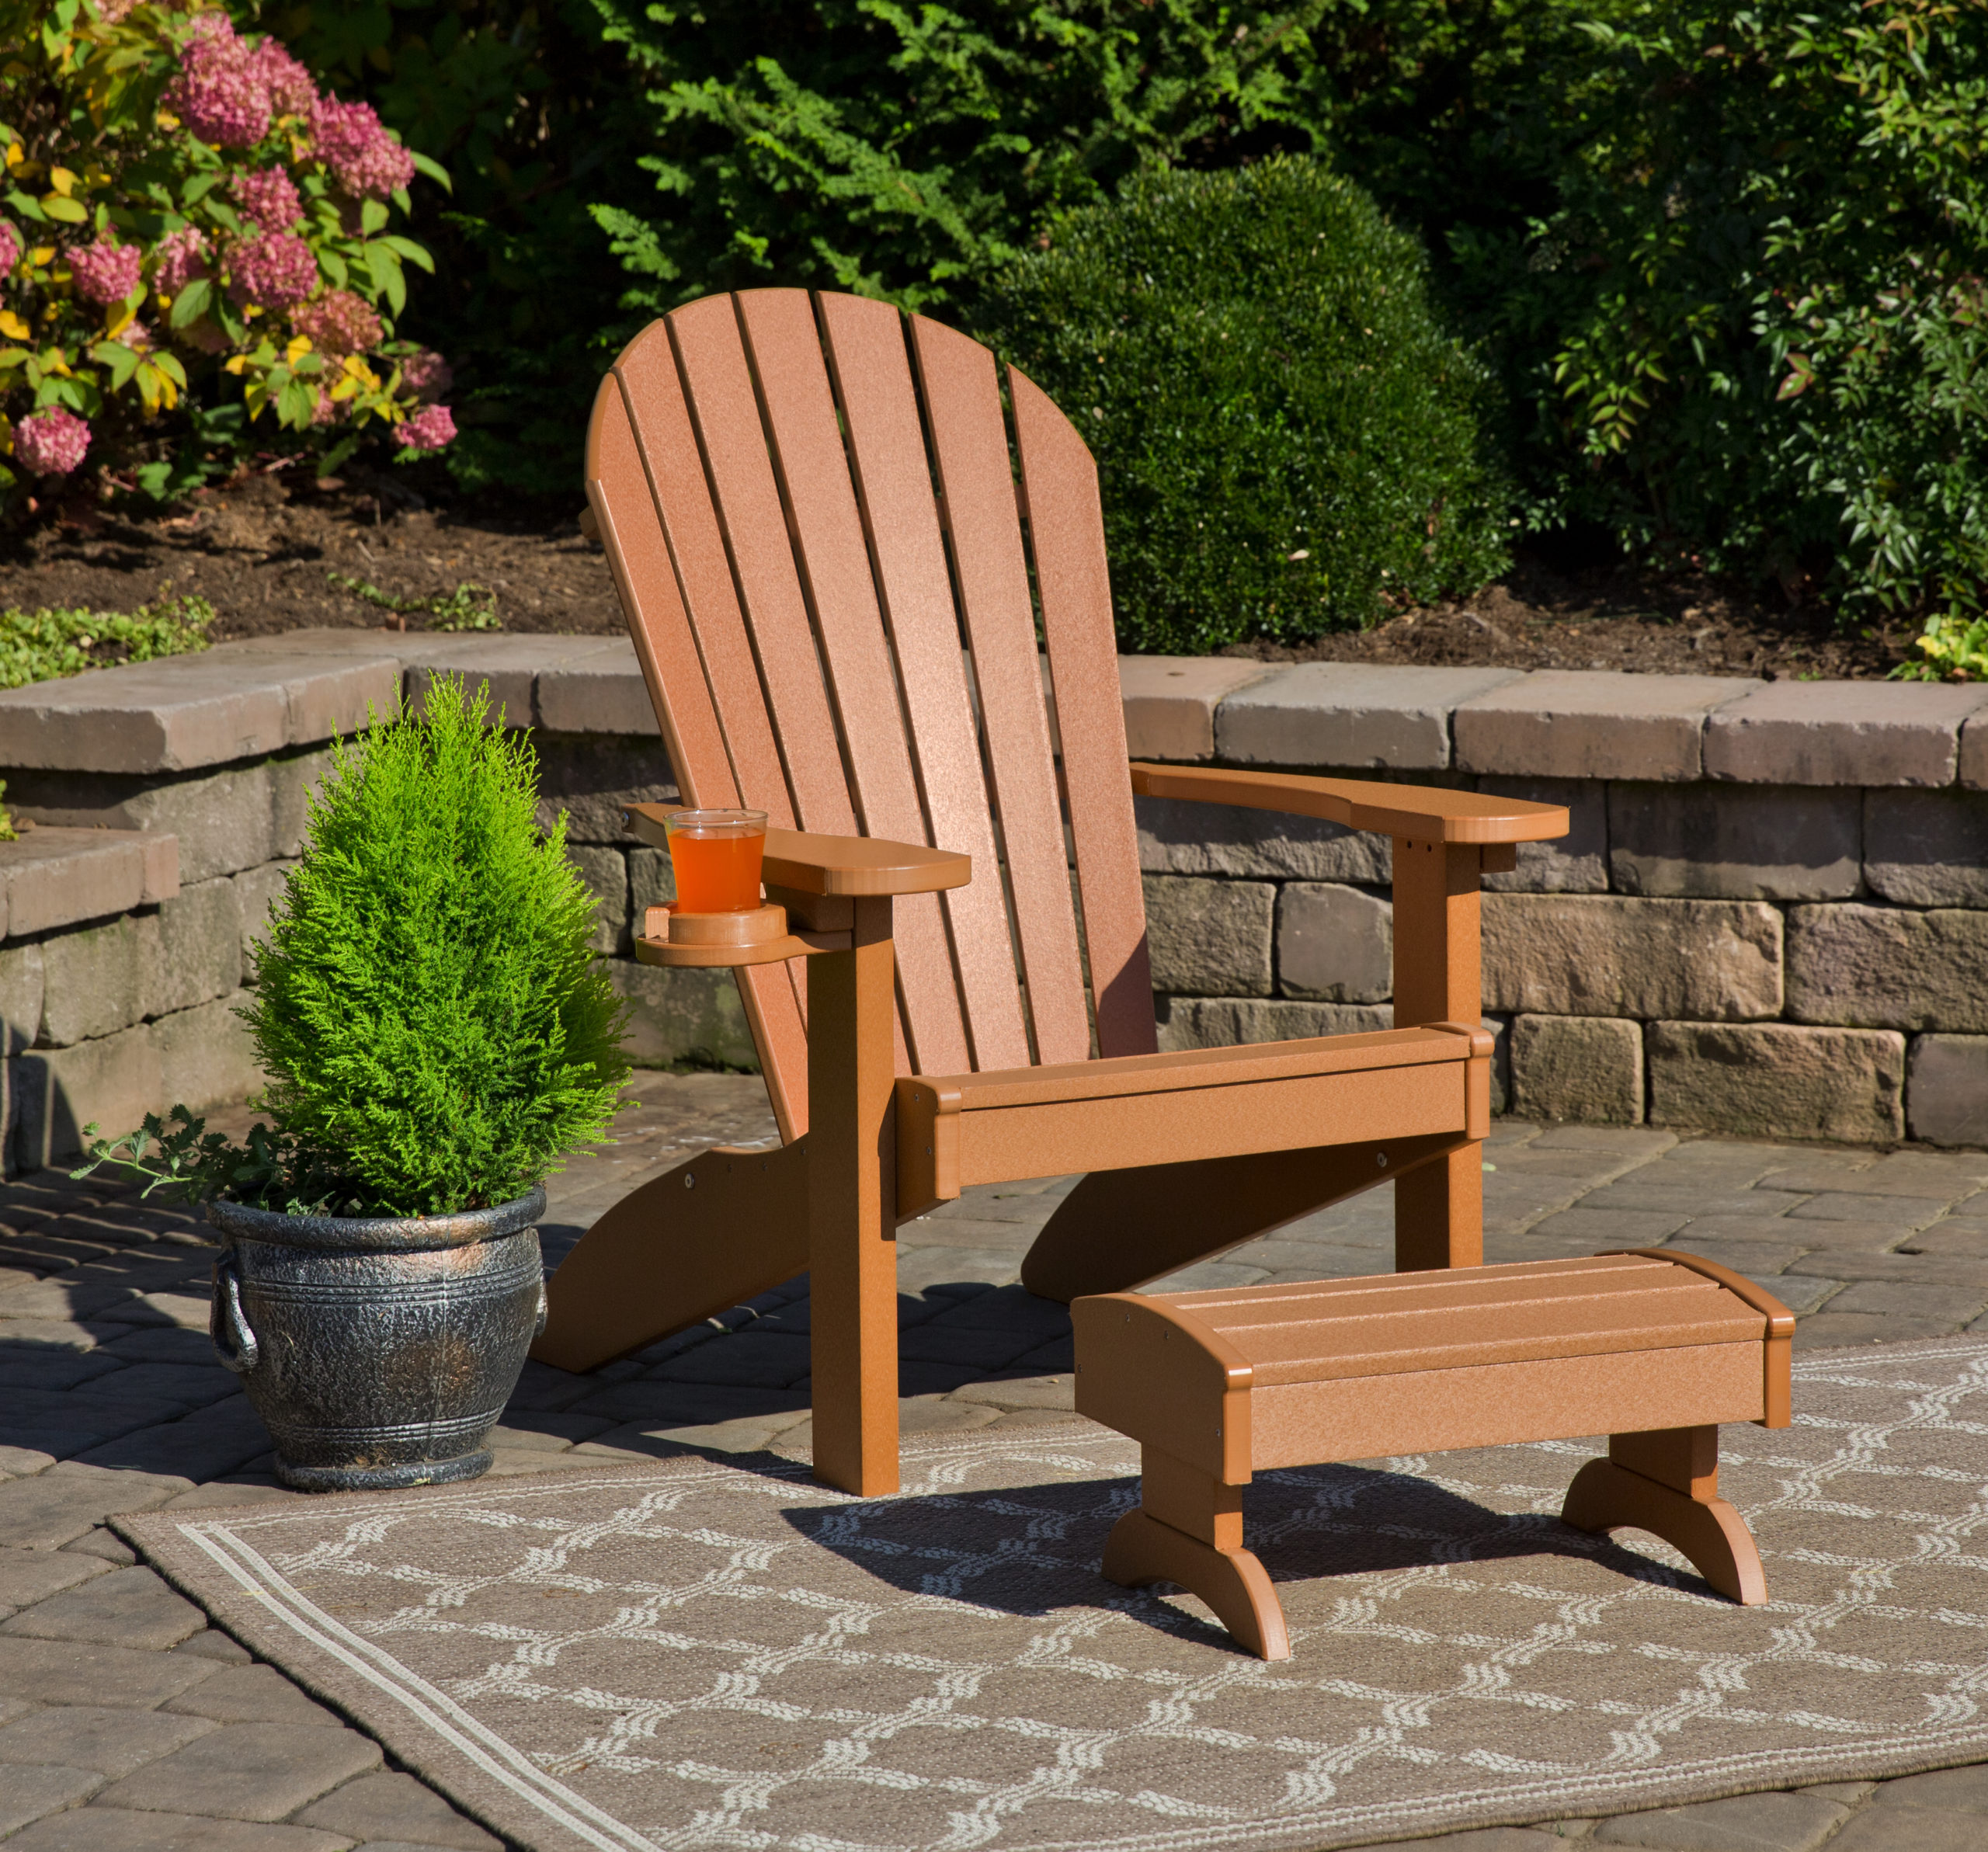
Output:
(415, 1695)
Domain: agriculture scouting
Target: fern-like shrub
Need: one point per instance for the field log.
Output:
(438, 1030)
(1286, 439)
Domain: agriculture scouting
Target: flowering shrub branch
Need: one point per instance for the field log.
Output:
(192, 237)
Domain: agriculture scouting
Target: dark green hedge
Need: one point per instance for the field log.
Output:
(1287, 440)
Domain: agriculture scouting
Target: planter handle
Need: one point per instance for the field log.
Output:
(234, 1343)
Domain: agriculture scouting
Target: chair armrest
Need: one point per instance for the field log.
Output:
(847, 866)
(1423, 813)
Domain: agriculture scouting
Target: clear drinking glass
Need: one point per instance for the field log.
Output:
(716, 855)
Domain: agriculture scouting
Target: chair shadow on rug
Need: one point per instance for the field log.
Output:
(1032, 1549)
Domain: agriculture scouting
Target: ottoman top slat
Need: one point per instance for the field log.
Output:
(1398, 1323)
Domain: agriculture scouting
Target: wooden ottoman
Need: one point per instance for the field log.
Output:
(1651, 1347)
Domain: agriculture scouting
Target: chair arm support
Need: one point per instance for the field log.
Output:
(855, 866)
(1422, 813)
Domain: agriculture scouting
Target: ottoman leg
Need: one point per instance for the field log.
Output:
(1666, 1482)
(1188, 1530)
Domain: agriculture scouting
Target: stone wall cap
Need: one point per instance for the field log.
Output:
(600, 691)
(1350, 714)
(181, 713)
(1590, 723)
(52, 878)
(1171, 701)
(1865, 733)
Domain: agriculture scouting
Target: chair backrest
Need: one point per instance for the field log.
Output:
(840, 578)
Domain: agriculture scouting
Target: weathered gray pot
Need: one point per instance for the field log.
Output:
(379, 1352)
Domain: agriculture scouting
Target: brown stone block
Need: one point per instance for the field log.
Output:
(54, 876)
(1574, 864)
(1927, 848)
(1592, 724)
(1608, 955)
(93, 980)
(678, 1014)
(594, 776)
(207, 1056)
(606, 873)
(114, 1080)
(1586, 1068)
(1334, 943)
(1889, 967)
(1170, 702)
(1726, 842)
(224, 821)
(1775, 1078)
(601, 692)
(20, 996)
(1946, 1089)
(1352, 714)
(1209, 938)
(1179, 838)
(1231, 1022)
(1842, 733)
(190, 951)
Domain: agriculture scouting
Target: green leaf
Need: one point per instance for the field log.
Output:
(295, 404)
(67, 211)
(433, 169)
(415, 254)
(384, 268)
(121, 362)
(194, 299)
(169, 365)
(372, 216)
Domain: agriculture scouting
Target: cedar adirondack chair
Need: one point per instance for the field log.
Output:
(833, 569)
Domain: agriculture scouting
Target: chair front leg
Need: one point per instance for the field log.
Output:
(1439, 1208)
(852, 1196)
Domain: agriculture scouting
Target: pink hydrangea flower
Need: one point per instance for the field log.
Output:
(51, 442)
(268, 196)
(105, 272)
(178, 259)
(10, 248)
(219, 94)
(429, 429)
(338, 323)
(275, 269)
(363, 159)
(286, 82)
(427, 376)
(112, 11)
(327, 411)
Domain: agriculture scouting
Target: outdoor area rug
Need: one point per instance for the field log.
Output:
(707, 1653)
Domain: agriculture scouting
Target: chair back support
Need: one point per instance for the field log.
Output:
(841, 576)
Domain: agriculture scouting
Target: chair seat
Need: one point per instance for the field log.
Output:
(957, 1129)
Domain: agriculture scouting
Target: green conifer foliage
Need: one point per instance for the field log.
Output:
(438, 1030)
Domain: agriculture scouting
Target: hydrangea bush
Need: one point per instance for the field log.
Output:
(195, 257)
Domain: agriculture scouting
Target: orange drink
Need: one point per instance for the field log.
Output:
(716, 856)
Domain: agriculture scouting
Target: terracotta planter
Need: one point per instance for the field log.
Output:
(380, 1352)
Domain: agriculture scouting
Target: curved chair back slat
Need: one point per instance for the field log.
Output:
(812, 511)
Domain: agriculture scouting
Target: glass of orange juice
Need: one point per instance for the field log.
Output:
(716, 855)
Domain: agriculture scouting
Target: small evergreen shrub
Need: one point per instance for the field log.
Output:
(192, 235)
(438, 1029)
(38, 646)
(1288, 441)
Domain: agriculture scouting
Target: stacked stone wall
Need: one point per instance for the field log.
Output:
(1769, 917)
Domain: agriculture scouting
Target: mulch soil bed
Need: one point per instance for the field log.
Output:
(261, 551)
